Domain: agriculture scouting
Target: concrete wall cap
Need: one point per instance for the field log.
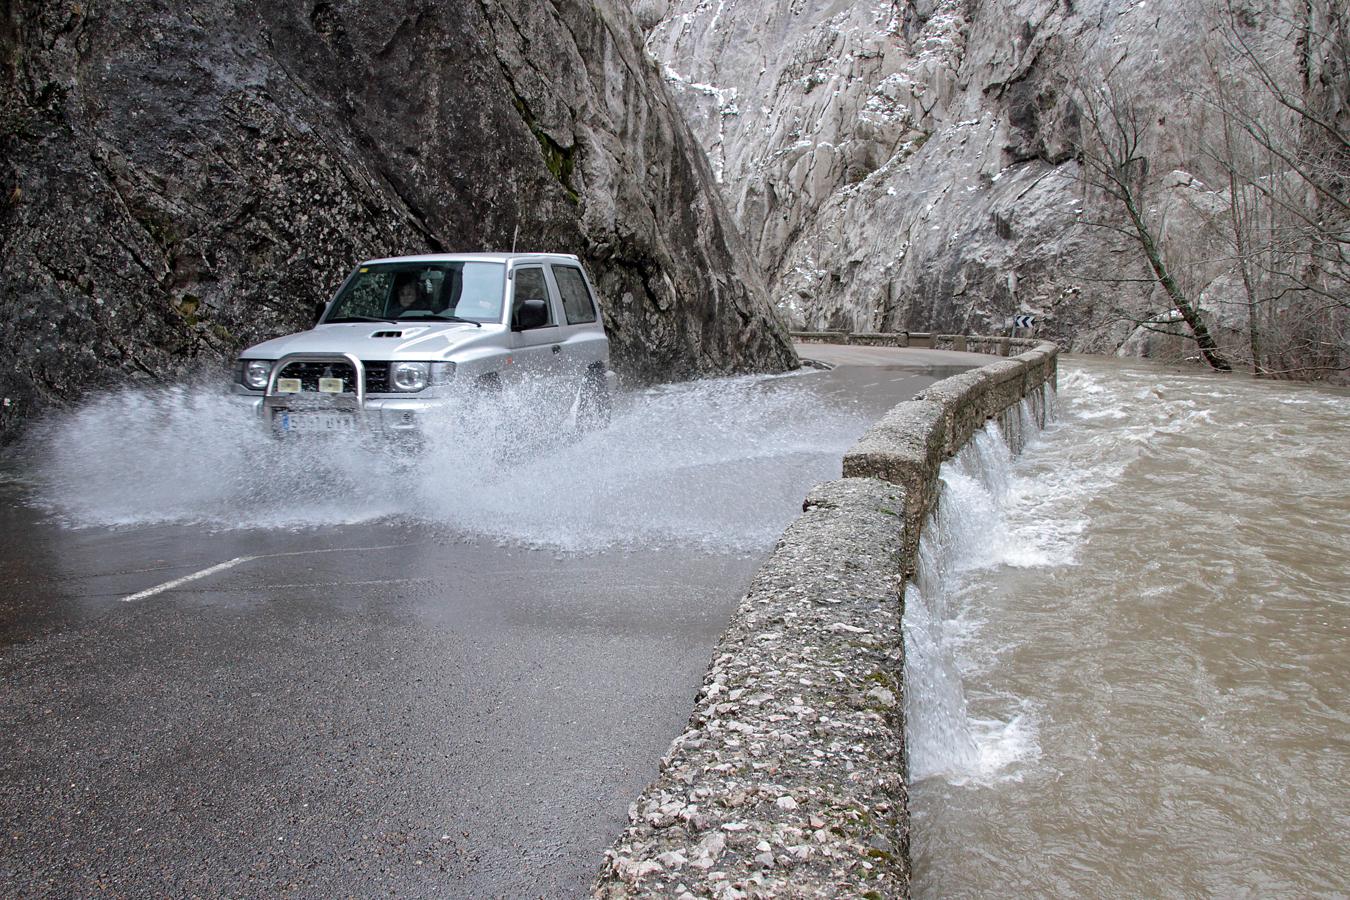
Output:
(1004, 370)
(954, 389)
(906, 428)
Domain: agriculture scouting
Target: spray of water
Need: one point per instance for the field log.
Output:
(721, 464)
(967, 532)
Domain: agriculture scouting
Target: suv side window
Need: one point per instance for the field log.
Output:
(530, 285)
(577, 301)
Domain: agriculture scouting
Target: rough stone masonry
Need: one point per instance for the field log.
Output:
(790, 779)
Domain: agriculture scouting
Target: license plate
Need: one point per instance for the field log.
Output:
(290, 420)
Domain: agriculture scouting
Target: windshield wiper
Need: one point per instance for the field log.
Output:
(355, 319)
(435, 318)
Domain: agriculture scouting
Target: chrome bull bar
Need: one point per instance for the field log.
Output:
(276, 403)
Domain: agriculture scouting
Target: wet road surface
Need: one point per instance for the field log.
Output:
(393, 706)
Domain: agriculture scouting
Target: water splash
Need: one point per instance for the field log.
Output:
(968, 531)
(721, 464)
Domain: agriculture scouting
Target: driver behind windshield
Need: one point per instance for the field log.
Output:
(407, 297)
(410, 298)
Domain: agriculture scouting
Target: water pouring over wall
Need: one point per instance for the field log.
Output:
(966, 531)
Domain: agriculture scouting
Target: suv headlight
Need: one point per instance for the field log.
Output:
(254, 373)
(409, 376)
(414, 376)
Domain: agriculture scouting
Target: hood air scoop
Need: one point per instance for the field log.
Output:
(387, 334)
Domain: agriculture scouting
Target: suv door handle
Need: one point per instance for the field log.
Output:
(557, 348)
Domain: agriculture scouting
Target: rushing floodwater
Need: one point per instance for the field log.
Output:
(1129, 649)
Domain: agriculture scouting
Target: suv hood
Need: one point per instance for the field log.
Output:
(411, 340)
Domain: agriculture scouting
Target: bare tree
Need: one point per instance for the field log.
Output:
(1285, 155)
(1272, 122)
(1111, 151)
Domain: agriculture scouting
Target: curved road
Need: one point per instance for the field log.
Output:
(374, 709)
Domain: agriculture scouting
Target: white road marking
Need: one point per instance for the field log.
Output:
(170, 585)
(231, 563)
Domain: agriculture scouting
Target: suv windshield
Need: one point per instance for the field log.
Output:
(450, 291)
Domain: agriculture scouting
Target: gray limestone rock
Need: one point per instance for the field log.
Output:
(180, 180)
(910, 164)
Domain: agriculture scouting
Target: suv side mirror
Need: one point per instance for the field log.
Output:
(319, 307)
(531, 313)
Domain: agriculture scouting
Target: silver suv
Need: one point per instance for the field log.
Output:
(404, 335)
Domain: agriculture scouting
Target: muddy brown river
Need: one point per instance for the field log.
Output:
(1130, 647)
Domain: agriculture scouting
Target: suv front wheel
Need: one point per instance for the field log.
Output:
(595, 406)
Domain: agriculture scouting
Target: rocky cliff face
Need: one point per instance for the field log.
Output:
(911, 164)
(180, 180)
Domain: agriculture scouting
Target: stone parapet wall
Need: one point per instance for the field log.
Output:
(789, 780)
(909, 443)
(994, 345)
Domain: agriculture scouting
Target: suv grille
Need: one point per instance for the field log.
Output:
(309, 373)
(377, 377)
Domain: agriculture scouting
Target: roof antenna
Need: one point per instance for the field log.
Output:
(515, 235)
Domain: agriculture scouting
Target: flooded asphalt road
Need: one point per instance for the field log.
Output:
(448, 691)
